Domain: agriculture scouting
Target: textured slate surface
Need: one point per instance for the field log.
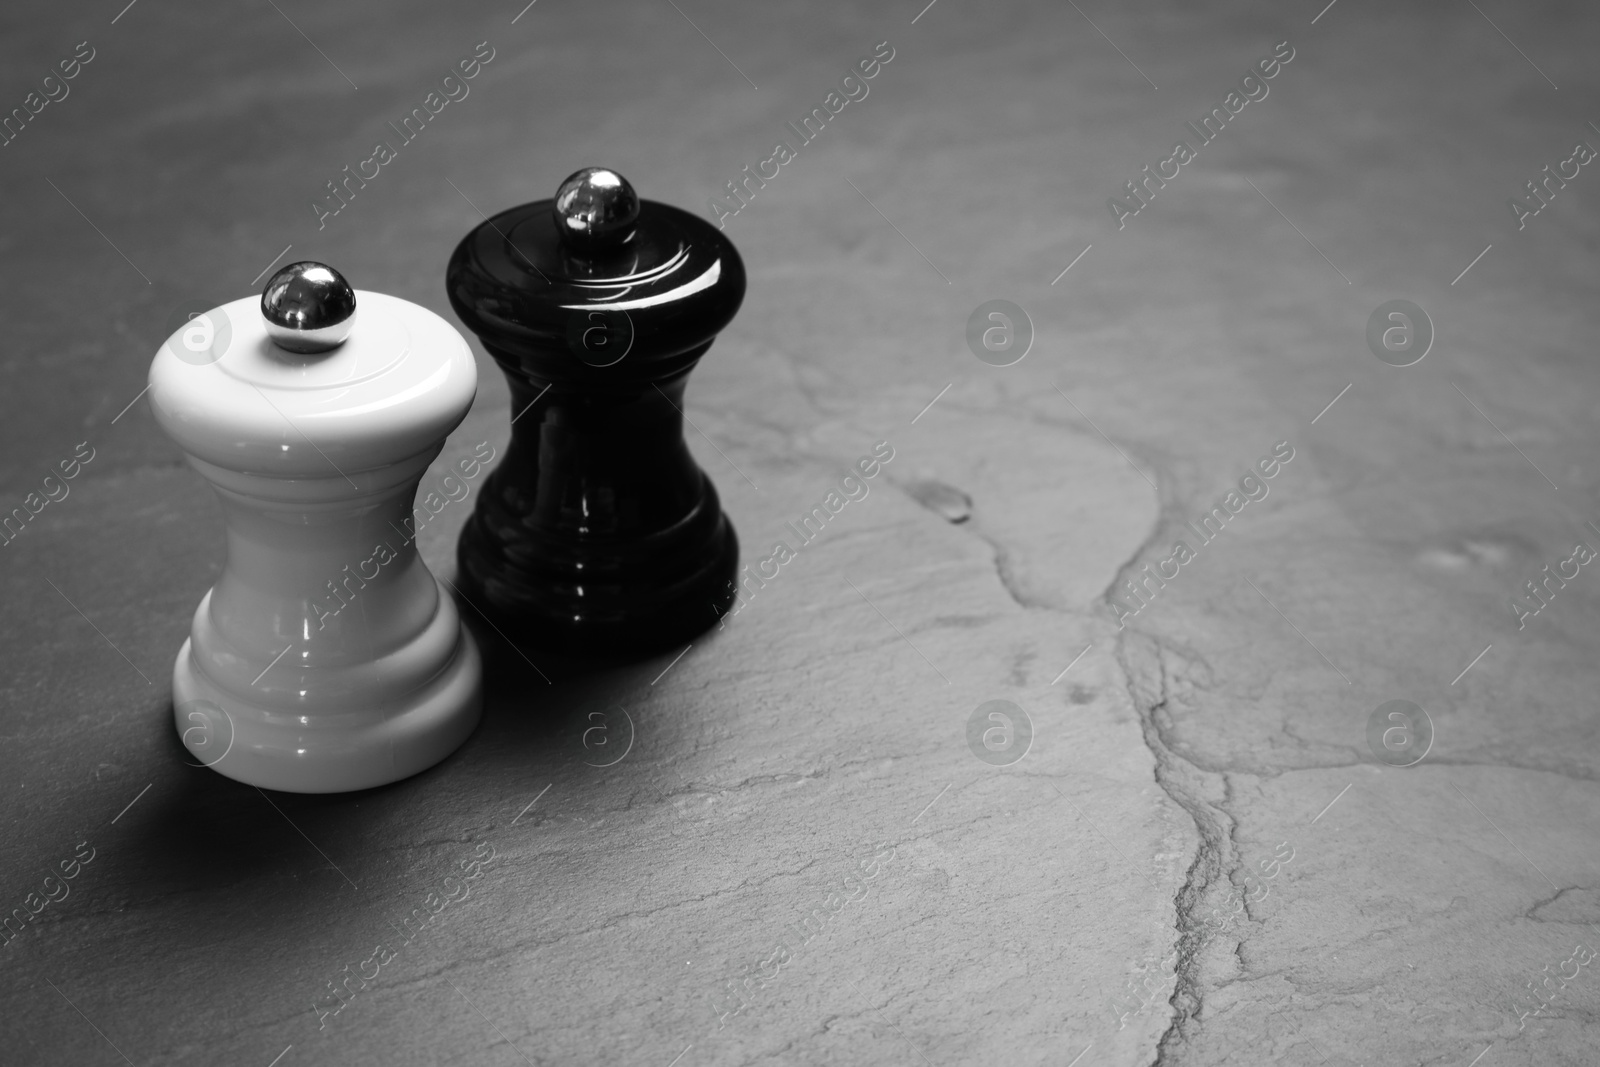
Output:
(1011, 910)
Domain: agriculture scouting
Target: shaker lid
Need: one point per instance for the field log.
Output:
(596, 278)
(232, 395)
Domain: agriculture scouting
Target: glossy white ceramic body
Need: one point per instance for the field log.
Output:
(326, 658)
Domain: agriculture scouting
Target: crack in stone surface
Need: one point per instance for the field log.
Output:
(1149, 686)
(1143, 662)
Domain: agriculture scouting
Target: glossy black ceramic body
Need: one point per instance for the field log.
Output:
(598, 533)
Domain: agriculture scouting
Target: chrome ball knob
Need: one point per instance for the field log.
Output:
(308, 307)
(595, 210)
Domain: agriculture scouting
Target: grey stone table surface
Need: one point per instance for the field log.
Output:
(1202, 855)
